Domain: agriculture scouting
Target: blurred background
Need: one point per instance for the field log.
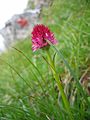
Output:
(24, 95)
(17, 19)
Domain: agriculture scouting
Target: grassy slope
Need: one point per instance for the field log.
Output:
(70, 23)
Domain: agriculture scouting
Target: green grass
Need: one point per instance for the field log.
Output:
(24, 95)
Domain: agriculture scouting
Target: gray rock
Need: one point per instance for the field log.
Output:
(14, 30)
(39, 3)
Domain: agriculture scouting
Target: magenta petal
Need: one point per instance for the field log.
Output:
(40, 34)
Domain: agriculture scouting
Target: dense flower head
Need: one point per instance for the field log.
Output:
(40, 35)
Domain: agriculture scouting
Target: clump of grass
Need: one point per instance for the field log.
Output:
(23, 92)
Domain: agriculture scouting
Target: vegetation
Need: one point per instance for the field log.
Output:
(28, 90)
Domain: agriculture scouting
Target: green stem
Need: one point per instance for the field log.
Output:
(64, 98)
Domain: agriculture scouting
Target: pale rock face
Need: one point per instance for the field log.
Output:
(39, 3)
(2, 46)
(18, 31)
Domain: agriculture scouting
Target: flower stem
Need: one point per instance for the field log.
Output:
(60, 86)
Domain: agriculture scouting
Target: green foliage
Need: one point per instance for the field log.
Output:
(27, 95)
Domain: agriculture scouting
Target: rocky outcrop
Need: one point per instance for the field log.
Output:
(19, 26)
(39, 3)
